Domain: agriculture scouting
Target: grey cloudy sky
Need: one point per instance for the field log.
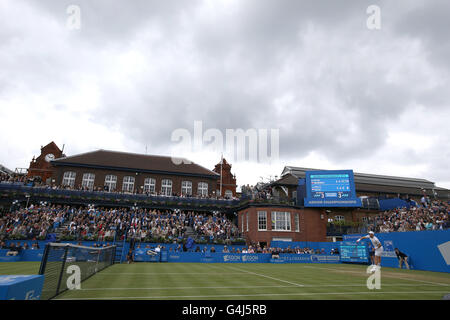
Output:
(343, 96)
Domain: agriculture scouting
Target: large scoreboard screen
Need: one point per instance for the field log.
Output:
(354, 252)
(333, 188)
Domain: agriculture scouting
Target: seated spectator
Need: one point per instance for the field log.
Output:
(275, 254)
(13, 250)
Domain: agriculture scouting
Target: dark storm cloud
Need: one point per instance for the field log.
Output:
(239, 56)
(310, 68)
(429, 23)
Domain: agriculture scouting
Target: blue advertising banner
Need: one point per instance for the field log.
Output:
(251, 258)
(164, 256)
(426, 250)
(309, 258)
(146, 255)
(23, 255)
(219, 257)
(21, 287)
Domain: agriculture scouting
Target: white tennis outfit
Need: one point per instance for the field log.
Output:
(376, 243)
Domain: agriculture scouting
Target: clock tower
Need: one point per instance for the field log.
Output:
(227, 182)
(41, 166)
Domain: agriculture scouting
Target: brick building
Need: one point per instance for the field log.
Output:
(41, 166)
(228, 180)
(134, 173)
(266, 223)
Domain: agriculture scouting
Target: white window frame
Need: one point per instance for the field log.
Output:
(69, 178)
(297, 221)
(88, 180)
(150, 185)
(166, 187)
(202, 189)
(262, 220)
(247, 220)
(339, 218)
(242, 223)
(281, 221)
(186, 187)
(111, 182)
(128, 184)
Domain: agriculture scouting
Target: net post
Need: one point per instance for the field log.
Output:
(62, 269)
(44, 259)
(113, 256)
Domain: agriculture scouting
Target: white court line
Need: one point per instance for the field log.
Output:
(382, 275)
(162, 273)
(257, 295)
(182, 288)
(253, 287)
(263, 275)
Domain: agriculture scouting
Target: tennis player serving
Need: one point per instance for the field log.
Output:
(378, 249)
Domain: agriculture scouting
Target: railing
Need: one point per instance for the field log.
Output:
(130, 199)
(103, 195)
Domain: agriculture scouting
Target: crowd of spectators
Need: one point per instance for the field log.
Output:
(216, 226)
(5, 177)
(432, 215)
(104, 224)
(19, 246)
(33, 222)
(257, 248)
(257, 192)
(246, 249)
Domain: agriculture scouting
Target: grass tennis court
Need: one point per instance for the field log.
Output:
(201, 281)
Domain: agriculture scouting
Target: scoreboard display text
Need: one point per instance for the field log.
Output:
(353, 252)
(333, 188)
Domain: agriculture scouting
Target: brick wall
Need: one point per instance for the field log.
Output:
(100, 175)
(40, 167)
(312, 224)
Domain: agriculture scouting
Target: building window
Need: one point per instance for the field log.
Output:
(364, 219)
(166, 187)
(281, 221)
(69, 178)
(228, 194)
(202, 189)
(110, 182)
(247, 220)
(186, 188)
(128, 184)
(149, 185)
(262, 220)
(297, 222)
(339, 218)
(88, 181)
(242, 223)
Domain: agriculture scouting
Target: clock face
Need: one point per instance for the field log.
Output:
(49, 157)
